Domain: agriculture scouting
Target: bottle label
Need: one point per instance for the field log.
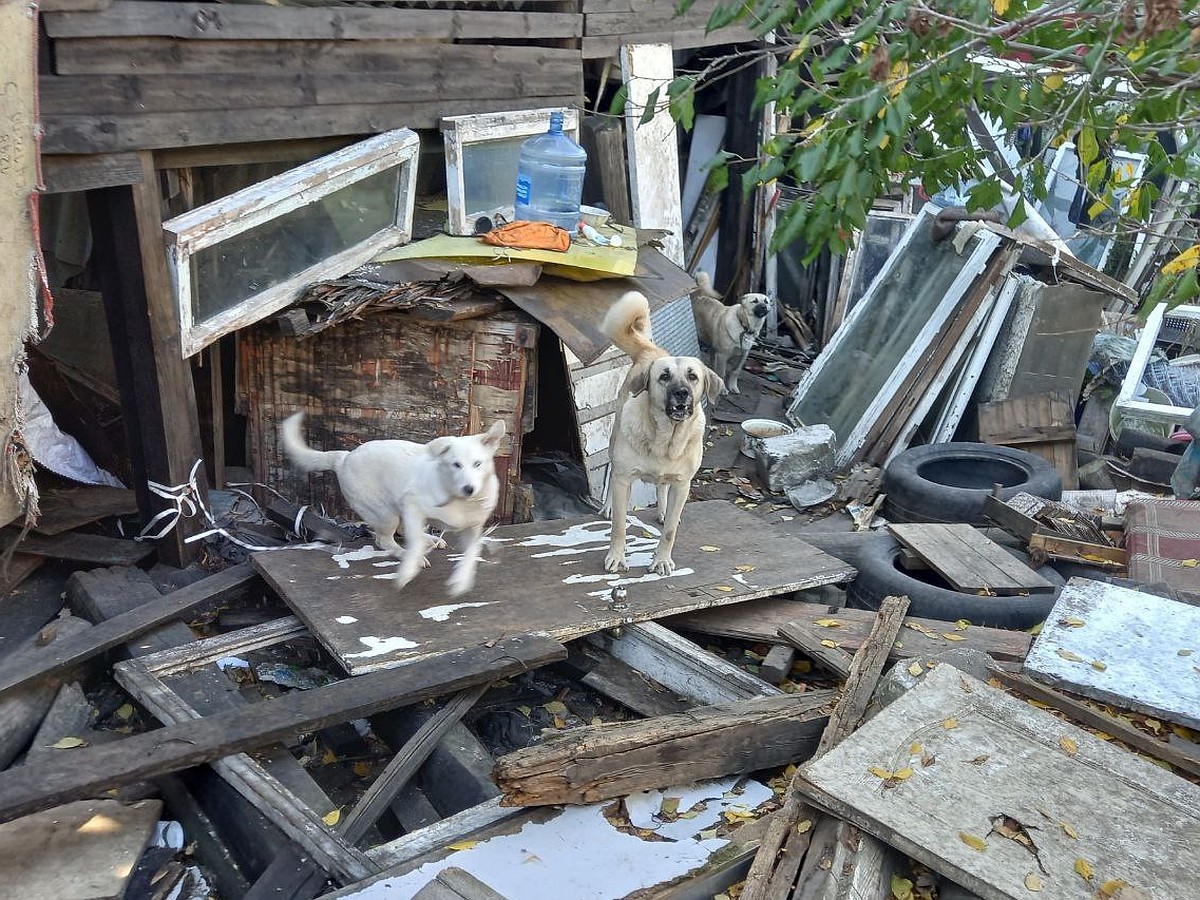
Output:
(524, 189)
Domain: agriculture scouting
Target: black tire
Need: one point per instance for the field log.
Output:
(946, 483)
(880, 575)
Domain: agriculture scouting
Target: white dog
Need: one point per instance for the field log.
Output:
(728, 331)
(451, 480)
(658, 429)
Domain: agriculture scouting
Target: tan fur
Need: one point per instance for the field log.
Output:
(451, 480)
(728, 331)
(658, 429)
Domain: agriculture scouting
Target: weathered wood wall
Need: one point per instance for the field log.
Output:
(143, 74)
(389, 375)
(607, 24)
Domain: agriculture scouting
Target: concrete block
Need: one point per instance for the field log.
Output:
(790, 459)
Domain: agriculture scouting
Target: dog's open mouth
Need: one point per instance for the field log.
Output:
(677, 412)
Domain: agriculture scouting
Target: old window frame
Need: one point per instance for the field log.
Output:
(1127, 403)
(462, 132)
(259, 204)
(973, 263)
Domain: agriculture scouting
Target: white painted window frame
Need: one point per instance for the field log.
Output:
(461, 132)
(1126, 403)
(849, 445)
(251, 207)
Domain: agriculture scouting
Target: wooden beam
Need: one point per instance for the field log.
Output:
(21, 668)
(63, 174)
(782, 850)
(96, 769)
(1077, 551)
(804, 637)
(600, 762)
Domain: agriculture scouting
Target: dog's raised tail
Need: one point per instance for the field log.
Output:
(302, 456)
(627, 324)
(705, 286)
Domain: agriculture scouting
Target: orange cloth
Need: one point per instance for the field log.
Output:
(529, 236)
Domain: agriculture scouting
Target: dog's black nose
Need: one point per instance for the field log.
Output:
(760, 311)
(680, 394)
(468, 490)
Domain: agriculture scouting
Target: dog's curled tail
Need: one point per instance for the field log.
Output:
(302, 456)
(705, 286)
(627, 324)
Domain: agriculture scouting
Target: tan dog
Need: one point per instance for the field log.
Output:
(728, 331)
(658, 430)
(451, 480)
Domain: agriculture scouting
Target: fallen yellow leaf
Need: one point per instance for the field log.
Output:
(832, 645)
(69, 743)
(1189, 563)
(1069, 745)
(1184, 653)
(903, 774)
(973, 841)
(1084, 869)
(525, 711)
(802, 827)
(332, 818)
(902, 888)
(362, 769)
(744, 569)
(880, 772)
(710, 549)
(1069, 830)
(914, 669)
(950, 723)
(980, 760)
(962, 624)
(461, 845)
(669, 806)
(914, 748)
(1067, 654)
(560, 722)
(951, 636)
(723, 588)
(555, 707)
(829, 623)
(1112, 888)
(125, 710)
(1099, 665)
(1072, 622)
(1033, 883)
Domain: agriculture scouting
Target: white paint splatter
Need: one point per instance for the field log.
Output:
(378, 646)
(741, 579)
(345, 620)
(442, 613)
(368, 551)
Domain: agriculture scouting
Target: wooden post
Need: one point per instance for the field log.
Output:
(18, 250)
(158, 398)
(653, 151)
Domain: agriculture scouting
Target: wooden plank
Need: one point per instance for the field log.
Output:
(112, 133)
(1132, 649)
(207, 21)
(622, 682)
(778, 859)
(760, 620)
(1005, 758)
(807, 638)
(85, 850)
(600, 762)
(78, 546)
(65, 95)
(970, 560)
(63, 174)
(654, 184)
(21, 668)
(1043, 424)
(176, 747)
(610, 45)
(1078, 551)
(542, 577)
(1087, 717)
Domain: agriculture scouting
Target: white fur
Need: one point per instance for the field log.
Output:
(389, 483)
(728, 331)
(658, 429)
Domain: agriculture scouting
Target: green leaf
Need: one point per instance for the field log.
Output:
(651, 107)
(1019, 215)
(724, 14)
(1087, 148)
(985, 195)
(619, 100)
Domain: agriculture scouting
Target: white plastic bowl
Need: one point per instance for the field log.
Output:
(754, 430)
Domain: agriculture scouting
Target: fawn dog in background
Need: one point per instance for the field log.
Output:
(728, 331)
(658, 429)
(394, 483)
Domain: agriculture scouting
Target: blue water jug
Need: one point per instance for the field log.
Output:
(550, 178)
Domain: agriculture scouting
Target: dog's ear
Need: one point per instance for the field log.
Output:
(638, 379)
(743, 315)
(440, 446)
(714, 385)
(491, 437)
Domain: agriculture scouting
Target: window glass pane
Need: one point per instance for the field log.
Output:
(879, 239)
(870, 346)
(233, 270)
(490, 175)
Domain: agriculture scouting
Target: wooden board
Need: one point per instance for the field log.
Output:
(544, 577)
(760, 620)
(80, 547)
(79, 851)
(38, 786)
(1043, 424)
(67, 508)
(1146, 650)
(970, 560)
(1002, 757)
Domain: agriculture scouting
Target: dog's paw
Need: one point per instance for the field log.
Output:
(434, 542)
(664, 566)
(461, 581)
(732, 388)
(615, 562)
(661, 517)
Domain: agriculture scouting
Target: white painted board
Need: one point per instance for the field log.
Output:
(1133, 650)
